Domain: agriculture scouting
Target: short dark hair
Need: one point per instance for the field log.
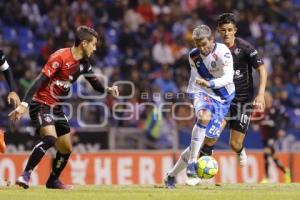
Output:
(226, 18)
(85, 33)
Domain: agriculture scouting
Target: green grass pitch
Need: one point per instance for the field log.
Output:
(205, 192)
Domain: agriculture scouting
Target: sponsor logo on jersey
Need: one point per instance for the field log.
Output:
(259, 61)
(227, 55)
(237, 51)
(215, 56)
(81, 67)
(253, 53)
(206, 98)
(55, 65)
(47, 118)
(237, 74)
(64, 84)
(213, 64)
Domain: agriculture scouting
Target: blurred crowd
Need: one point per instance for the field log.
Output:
(147, 42)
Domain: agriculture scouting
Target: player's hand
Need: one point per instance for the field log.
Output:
(17, 113)
(202, 82)
(13, 99)
(259, 102)
(114, 90)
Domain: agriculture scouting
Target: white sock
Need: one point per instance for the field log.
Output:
(198, 135)
(181, 163)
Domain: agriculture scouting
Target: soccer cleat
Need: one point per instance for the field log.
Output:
(193, 181)
(287, 176)
(170, 182)
(264, 180)
(242, 157)
(191, 171)
(57, 184)
(23, 180)
(2, 142)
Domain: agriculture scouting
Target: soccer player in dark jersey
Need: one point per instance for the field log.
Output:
(12, 97)
(273, 122)
(61, 70)
(245, 57)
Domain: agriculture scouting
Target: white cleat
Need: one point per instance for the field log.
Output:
(193, 181)
(242, 157)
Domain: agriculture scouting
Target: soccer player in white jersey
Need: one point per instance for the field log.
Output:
(212, 90)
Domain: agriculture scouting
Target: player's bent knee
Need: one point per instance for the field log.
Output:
(47, 142)
(267, 151)
(204, 117)
(64, 149)
(235, 145)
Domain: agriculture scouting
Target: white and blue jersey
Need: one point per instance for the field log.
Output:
(217, 68)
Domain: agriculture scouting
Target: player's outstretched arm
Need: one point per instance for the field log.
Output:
(17, 113)
(97, 85)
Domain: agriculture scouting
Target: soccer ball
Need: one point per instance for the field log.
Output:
(207, 167)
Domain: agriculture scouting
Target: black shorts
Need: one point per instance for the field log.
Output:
(239, 115)
(43, 115)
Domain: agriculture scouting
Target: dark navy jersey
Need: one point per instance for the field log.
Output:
(245, 57)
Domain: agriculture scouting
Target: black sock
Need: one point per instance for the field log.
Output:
(39, 151)
(58, 164)
(206, 150)
(279, 165)
(266, 156)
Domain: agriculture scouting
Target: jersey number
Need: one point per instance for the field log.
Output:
(214, 130)
(244, 119)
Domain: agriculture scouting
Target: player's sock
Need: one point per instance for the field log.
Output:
(279, 165)
(287, 175)
(39, 151)
(198, 135)
(181, 163)
(266, 156)
(58, 164)
(206, 150)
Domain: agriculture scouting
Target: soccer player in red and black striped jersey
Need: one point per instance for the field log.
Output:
(245, 58)
(61, 70)
(12, 97)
